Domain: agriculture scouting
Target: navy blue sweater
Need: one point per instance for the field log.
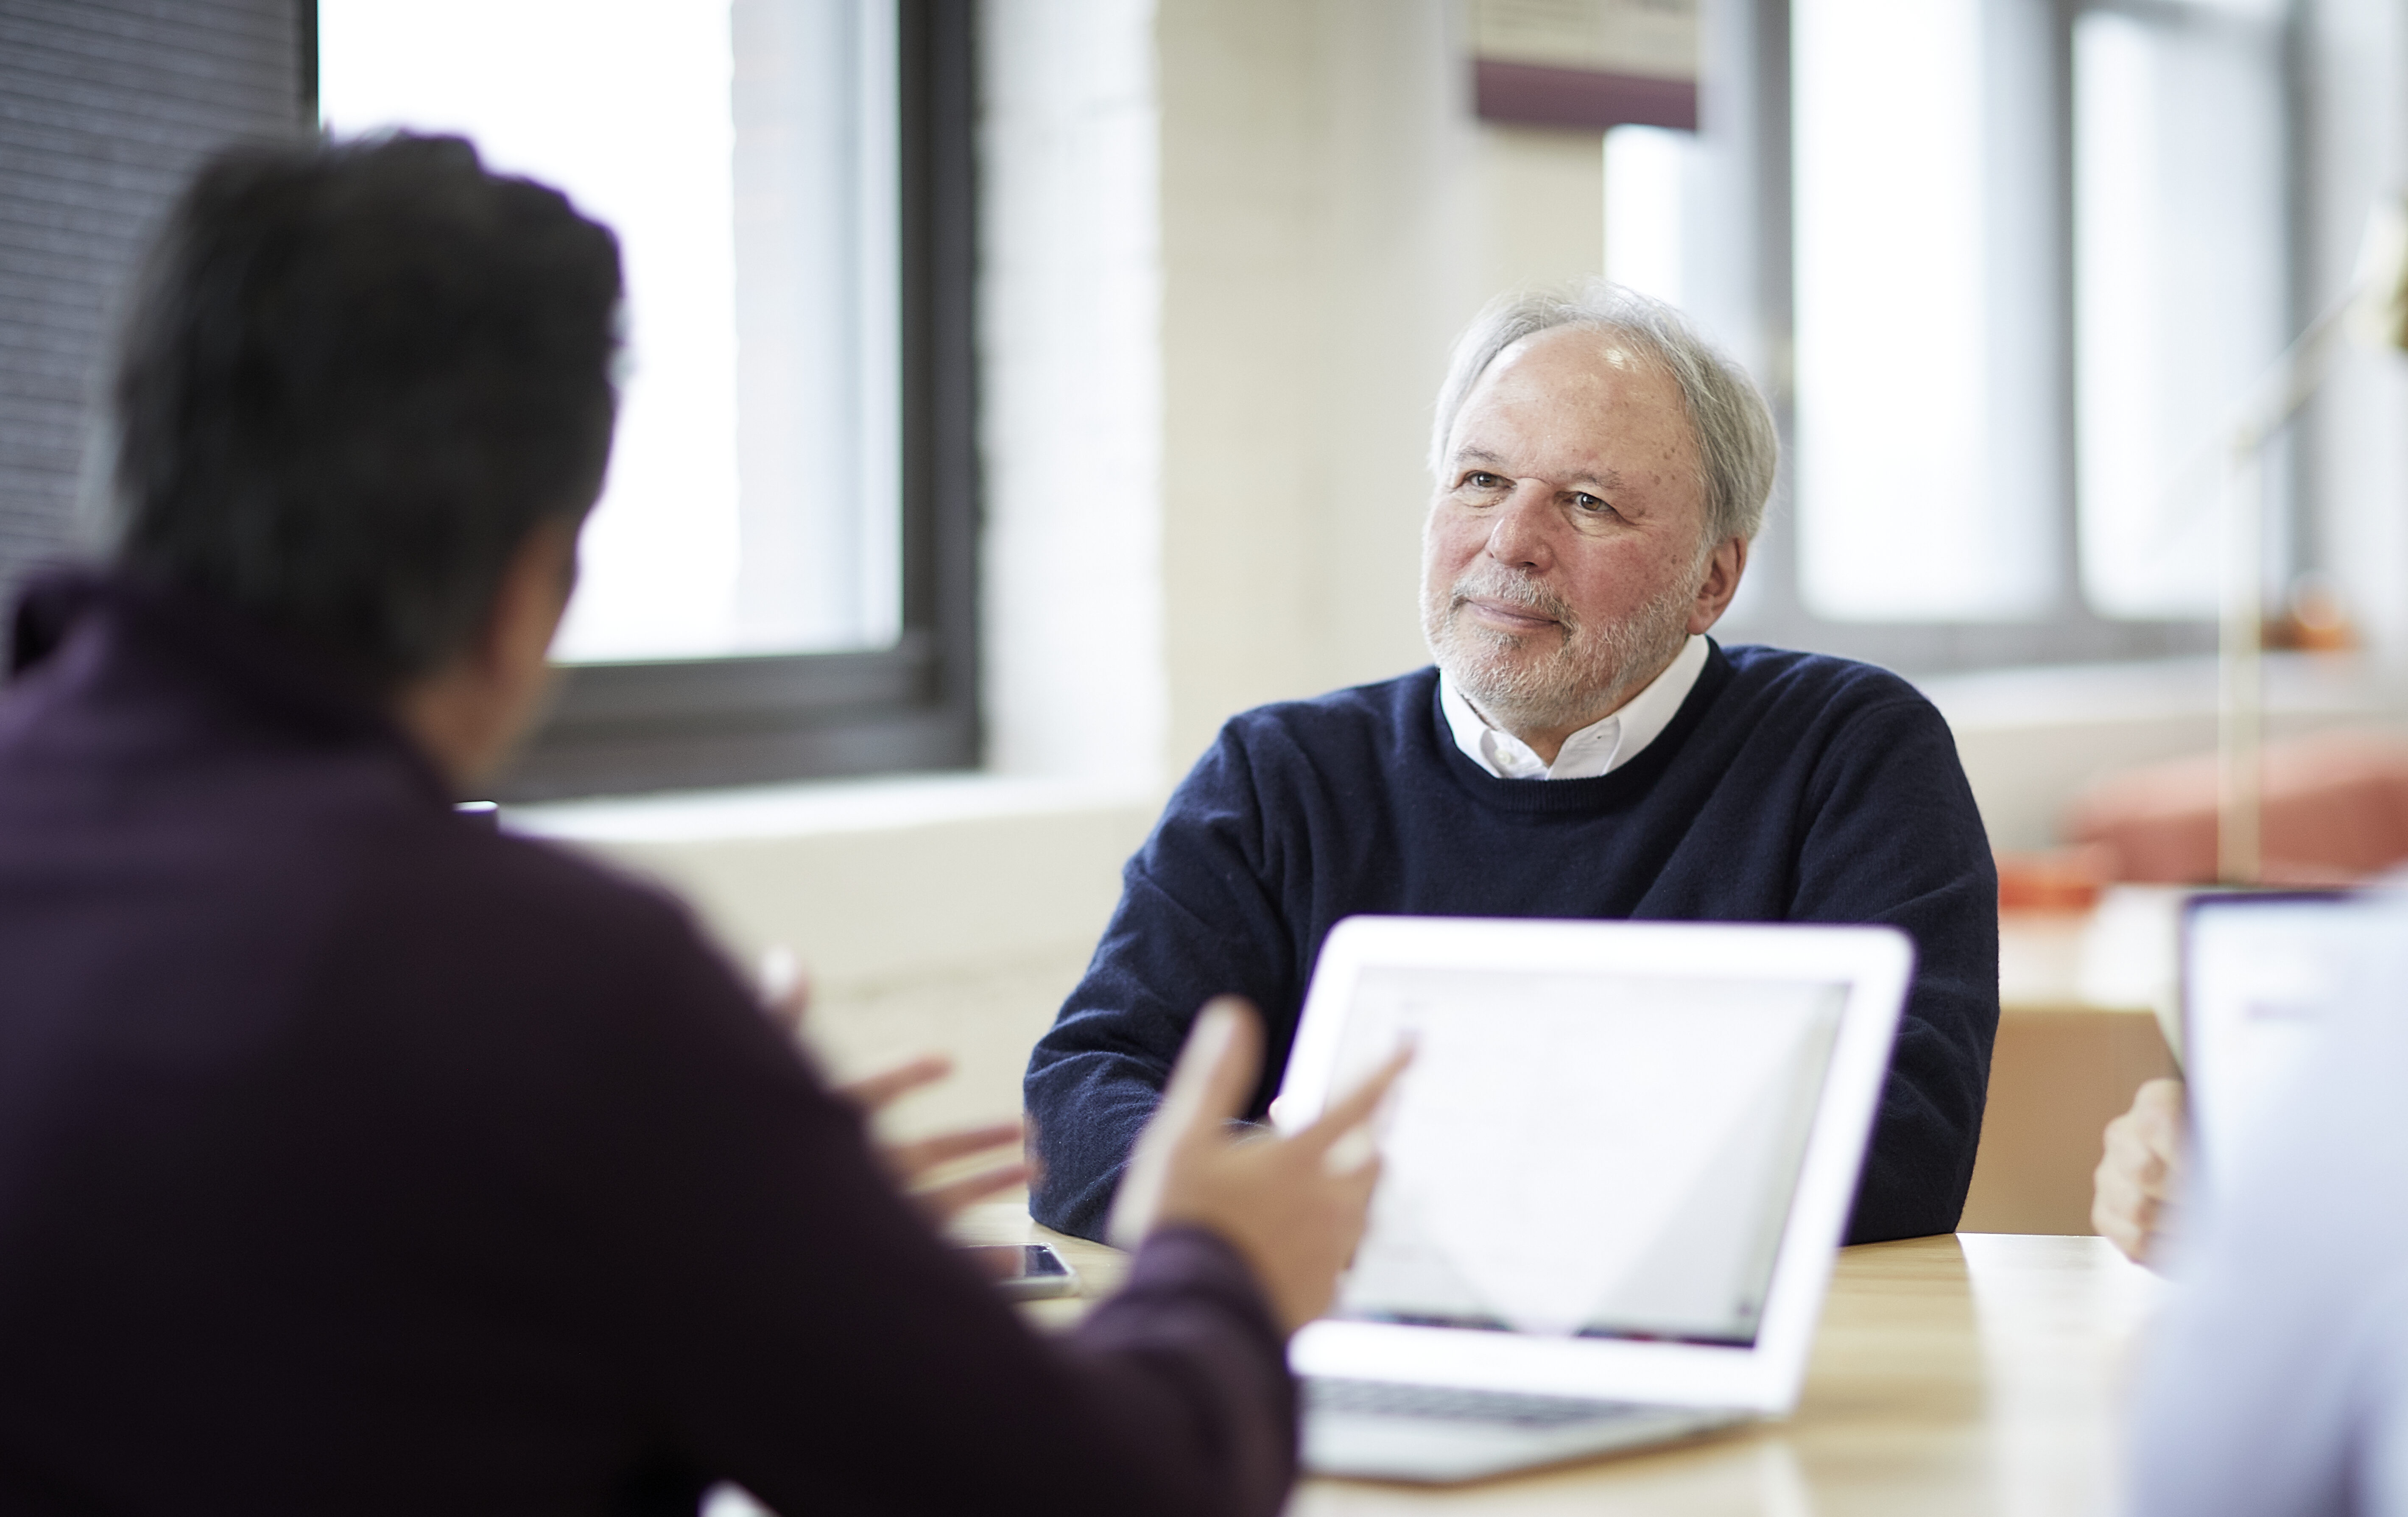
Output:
(1790, 787)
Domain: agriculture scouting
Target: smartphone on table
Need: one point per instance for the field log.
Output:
(1025, 1271)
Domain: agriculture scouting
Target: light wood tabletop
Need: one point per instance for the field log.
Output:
(1969, 1375)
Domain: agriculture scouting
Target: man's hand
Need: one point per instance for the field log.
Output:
(910, 1163)
(1293, 1207)
(789, 998)
(2135, 1191)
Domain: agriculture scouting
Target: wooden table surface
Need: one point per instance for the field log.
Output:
(1974, 1374)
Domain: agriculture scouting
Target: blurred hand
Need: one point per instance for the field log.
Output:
(1292, 1206)
(910, 1163)
(2136, 1189)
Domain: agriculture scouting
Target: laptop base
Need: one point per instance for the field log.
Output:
(1435, 1436)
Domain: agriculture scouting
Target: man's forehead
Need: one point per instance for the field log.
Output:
(1573, 384)
(1574, 355)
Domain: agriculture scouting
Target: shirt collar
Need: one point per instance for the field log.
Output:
(1599, 748)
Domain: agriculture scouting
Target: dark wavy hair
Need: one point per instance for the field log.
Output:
(355, 376)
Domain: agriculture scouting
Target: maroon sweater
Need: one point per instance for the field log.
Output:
(355, 1158)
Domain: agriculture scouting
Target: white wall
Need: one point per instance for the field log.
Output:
(1070, 426)
(1227, 245)
(1332, 215)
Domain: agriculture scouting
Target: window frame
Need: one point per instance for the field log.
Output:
(2068, 631)
(630, 728)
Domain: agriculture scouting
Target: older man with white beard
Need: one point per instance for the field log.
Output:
(1580, 748)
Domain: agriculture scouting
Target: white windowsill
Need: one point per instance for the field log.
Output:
(2144, 690)
(818, 807)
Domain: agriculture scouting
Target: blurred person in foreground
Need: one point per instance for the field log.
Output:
(1580, 748)
(2276, 1378)
(355, 1157)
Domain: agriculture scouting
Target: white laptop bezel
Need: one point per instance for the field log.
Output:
(1875, 965)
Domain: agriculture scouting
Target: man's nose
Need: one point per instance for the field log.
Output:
(1519, 537)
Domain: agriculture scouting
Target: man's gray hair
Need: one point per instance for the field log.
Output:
(1738, 449)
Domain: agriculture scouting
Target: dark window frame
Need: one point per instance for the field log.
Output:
(621, 728)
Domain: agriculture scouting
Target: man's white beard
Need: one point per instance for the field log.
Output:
(1591, 670)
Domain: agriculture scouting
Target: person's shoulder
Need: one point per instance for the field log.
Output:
(1822, 681)
(453, 878)
(1377, 711)
(548, 952)
(1338, 738)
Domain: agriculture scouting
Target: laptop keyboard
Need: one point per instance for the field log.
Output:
(1449, 1403)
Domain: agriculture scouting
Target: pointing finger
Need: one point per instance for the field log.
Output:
(1215, 1073)
(1207, 1087)
(1351, 1110)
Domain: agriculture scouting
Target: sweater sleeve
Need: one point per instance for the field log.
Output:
(1199, 916)
(1893, 837)
(809, 1336)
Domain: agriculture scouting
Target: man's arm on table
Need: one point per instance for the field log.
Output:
(1895, 837)
(1194, 920)
(817, 1343)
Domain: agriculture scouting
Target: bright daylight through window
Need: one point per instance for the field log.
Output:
(746, 154)
(2179, 213)
(1925, 440)
(1994, 202)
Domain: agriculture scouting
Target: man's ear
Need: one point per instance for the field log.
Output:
(1720, 582)
(531, 599)
(469, 713)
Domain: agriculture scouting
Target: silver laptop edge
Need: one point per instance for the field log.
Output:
(1481, 1418)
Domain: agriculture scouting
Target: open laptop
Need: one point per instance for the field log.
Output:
(1614, 1179)
(2261, 972)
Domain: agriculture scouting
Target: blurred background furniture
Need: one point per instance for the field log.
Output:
(2088, 942)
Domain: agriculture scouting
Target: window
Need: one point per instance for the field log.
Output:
(2179, 210)
(2013, 260)
(1922, 419)
(776, 580)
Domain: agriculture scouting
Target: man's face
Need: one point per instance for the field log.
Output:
(1564, 559)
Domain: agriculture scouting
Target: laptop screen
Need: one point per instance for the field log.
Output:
(1586, 1153)
(2260, 974)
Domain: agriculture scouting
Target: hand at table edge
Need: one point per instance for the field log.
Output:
(2136, 1190)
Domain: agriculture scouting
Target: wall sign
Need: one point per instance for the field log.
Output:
(1589, 63)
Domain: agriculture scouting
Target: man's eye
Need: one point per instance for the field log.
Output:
(1483, 479)
(1590, 503)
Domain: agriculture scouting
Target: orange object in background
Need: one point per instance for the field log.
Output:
(2314, 619)
(2334, 810)
(2054, 878)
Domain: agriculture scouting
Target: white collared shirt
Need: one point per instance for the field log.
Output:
(1599, 748)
